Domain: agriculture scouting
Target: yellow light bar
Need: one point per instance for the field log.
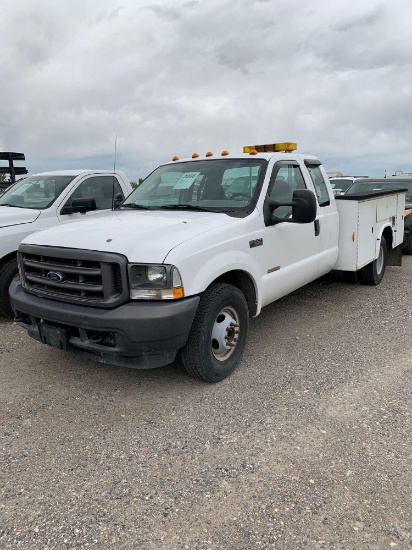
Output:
(287, 146)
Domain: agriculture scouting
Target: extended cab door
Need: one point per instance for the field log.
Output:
(103, 189)
(328, 217)
(292, 250)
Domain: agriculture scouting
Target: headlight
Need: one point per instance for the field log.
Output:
(156, 274)
(155, 282)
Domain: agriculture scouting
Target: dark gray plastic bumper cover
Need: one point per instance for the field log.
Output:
(144, 334)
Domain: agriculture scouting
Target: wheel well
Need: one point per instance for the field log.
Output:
(244, 282)
(8, 257)
(387, 233)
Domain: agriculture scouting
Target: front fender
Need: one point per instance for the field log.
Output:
(200, 271)
(222, 264)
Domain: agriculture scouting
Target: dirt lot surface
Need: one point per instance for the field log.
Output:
(307, 445)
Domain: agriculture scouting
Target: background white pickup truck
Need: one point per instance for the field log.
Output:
(195, 251)
(46, 199)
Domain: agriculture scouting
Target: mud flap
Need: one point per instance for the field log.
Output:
(395, 256)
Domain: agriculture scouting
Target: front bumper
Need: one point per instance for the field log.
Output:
(135, 334)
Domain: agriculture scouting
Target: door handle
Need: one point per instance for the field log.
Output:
(317, 227)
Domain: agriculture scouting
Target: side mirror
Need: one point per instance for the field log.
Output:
(304, 208)
(79, 206)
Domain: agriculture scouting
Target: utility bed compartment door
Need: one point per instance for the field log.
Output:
(361, 222)
(386, 207)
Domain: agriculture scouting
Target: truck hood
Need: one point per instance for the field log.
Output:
(141, 236)
(10, 215)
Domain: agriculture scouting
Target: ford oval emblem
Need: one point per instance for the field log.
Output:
(55, 276)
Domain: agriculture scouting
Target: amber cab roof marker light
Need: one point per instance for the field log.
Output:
(209, 154)
(175, 158)
(286, 146)
(194, 156)
(224, 153)
(253, 152)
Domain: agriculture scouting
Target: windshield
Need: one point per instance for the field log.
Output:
(37, 192)
(341, 184)
(218, 185)
(369, 186)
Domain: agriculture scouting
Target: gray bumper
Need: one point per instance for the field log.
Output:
(135, 334)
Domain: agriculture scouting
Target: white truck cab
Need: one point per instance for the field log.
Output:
(47, 199)
(194, 252)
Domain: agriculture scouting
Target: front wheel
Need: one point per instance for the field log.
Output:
(8, 272)
(218, 335)
(372, 274)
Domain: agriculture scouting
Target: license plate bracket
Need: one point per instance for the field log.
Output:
(57, 337)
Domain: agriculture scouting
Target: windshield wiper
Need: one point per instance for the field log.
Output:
(133, 205)
(192, 207)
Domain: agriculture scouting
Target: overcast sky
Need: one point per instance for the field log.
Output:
(174, 77)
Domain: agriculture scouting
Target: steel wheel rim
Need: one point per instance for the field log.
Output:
(379, 261)
(225, 333)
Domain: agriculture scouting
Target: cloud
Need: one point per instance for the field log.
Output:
(177, 77)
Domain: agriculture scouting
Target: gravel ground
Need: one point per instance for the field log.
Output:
(306, 445)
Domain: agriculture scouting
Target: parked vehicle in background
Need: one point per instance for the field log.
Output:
(47, 199)
(183, 264)
(341, 185)
(362, 185)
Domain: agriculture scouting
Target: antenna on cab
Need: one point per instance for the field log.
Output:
(114, 169)
(115, 150)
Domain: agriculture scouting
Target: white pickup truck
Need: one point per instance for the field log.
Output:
(47, 199)
(194, 252)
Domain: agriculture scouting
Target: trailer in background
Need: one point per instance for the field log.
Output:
(11, 169)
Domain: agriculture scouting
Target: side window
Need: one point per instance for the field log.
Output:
(320, 185)
(285, 179)
(100, 188)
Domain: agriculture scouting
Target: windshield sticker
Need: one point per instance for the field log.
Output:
(171, 177)
(186, 181)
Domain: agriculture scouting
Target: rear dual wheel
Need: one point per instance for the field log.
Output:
(218, 335)
(372, 274)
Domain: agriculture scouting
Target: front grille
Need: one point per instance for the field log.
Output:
(72, 275)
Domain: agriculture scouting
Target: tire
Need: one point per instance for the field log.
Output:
(372, 274)
(218, 335)
(8, 271)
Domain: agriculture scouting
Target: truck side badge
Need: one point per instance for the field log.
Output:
(256, 242)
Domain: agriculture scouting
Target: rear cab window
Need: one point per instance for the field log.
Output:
(321, 189)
